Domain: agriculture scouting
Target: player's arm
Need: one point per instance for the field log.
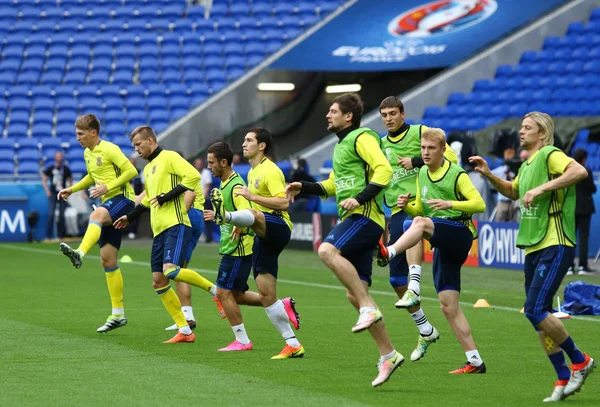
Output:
(128, 171)
(506, 188)
(571, 172)
(474, 203)
(324, 189)
(190, 177)
(84, 183)
(188, 199)
(276, 186)
(370, 151)
(414, 208)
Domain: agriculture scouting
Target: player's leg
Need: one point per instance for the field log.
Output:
(453, 241)
(242, 218)
(545, 273)
(99, 218)
(360, 255)
(341, 238)
(233, 280)
(109, 254)
(420, 228)
(177, 242)
(164, 247)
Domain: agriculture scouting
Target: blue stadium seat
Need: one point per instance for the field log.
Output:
(7, 168)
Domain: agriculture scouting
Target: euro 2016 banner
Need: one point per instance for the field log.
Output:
(410, 34)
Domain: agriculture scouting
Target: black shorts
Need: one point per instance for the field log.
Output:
(544, 272)
(267, 250)
(170, 247)
(452, 242)
(356, 238)
(234, 272)
(116, 206)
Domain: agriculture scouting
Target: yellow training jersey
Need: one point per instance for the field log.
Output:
(379, 172)
(105, 163)
(199, 200)
(267, 180)
(557, 163)
(163, 173)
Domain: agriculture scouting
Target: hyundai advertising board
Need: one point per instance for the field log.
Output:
(409, 34)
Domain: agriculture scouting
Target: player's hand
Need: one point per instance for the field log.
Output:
(121, 223)
(481, 166)
(438, 204)
(209, 216)
(97, 191)
(530, 196)
(403, 200)
(349, 204)
(64, 194)
(236, 233)
(292, 190)
(406, 162)
(245, 192)
(154, 202)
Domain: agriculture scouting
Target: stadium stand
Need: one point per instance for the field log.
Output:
(130, 62)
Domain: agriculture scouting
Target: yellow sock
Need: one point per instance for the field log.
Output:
(114, 280)
(91, 237)
(188, 276)
(172, 304)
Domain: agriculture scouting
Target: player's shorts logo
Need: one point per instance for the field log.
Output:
(441, 17)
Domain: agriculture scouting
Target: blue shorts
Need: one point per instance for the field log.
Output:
(399, 264)
(116, 206)
(356, 238)
(234, 272)
(452, 242)
(267, 250)
(544, 272)
(197, 221)
(169, 246)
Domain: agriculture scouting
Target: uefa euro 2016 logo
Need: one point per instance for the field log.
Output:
(441, 17)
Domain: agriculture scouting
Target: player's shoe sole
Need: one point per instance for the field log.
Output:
(216, 198)
(468, 368)
(290, 308)
(73, 255)
(112, 323)
(382, 254)
(220, 308)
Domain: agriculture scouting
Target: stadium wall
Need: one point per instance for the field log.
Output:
(462, 77)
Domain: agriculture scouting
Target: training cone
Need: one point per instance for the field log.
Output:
(522, 310)
(481, 303)
(126, 259)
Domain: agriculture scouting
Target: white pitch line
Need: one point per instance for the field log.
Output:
(303, 283)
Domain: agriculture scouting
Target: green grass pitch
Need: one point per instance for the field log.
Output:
(52, 355)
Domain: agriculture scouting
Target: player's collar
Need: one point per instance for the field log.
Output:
(155, 153)
(401, 130)
(342, 134)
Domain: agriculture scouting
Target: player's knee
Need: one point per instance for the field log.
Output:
(535, 317)
(327, 251)
(171, 272)
(398, 281)
(420, 222)
(448, 309)
(108, 262)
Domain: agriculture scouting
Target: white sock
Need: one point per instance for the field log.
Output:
(414, 282)
(118, 311)
(189, 314)
(367, 309)
(243, 218)
(81, 253)
(391, 252)
(474, 358)
(240, 334)
(390, 355)
(425, 328)
(281, 322)
(186, 330)
(213, 290)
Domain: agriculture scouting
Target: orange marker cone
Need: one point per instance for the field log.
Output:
(481, 303)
